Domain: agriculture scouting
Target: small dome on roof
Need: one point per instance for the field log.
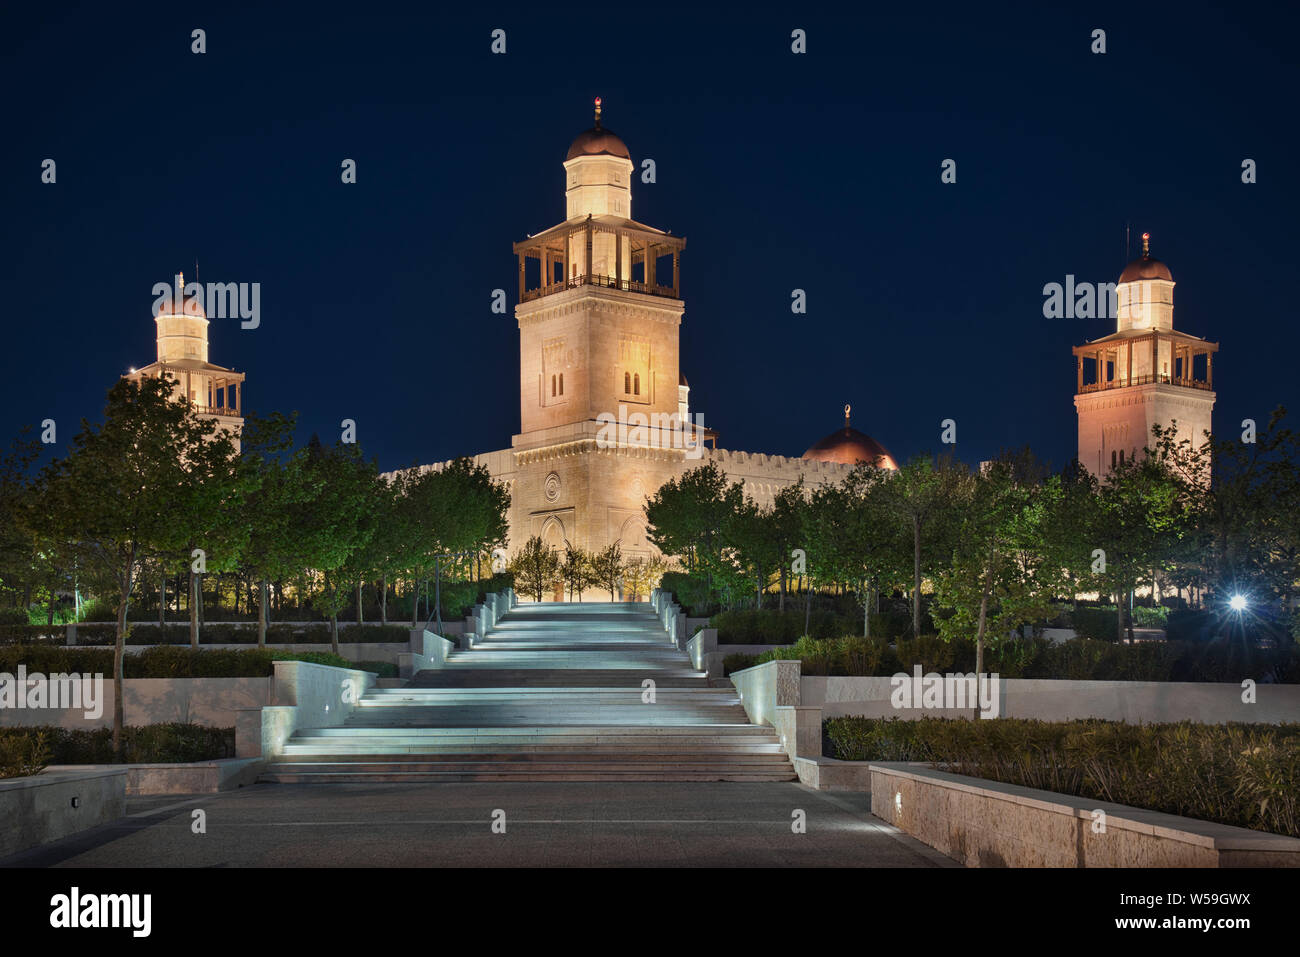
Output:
(598, 141)
(1146, 266)
(188, 306)
(848, 446)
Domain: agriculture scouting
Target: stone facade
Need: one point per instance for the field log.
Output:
(598, 342)
(1145, 373)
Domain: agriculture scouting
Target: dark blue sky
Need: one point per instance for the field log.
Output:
(818, 171)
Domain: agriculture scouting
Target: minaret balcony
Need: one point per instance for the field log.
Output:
(604, 282)
(1161, 379)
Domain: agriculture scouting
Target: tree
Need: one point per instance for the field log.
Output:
(607, 567)
(922, 493)
(535, 568)
(642, 575)
(998, 577)
(853, 537)
(335, 523)
(279, 487)
(113, 496)
(576, 569)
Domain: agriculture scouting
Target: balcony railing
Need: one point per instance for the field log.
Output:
(606, 282)
(1122, 383)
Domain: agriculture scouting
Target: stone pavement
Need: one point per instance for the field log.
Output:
(603, 824)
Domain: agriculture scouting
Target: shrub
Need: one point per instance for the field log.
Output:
(162, 661)
(13, 616)
(24, 754)
(691, 591)
(173, 743)
(1094, 622)
(1237, 774)
(384, 669)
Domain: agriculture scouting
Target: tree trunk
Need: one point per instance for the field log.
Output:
(781, 606)
(383, 598)
(807, 607)
(415, 603)
(162, 603)
(334, 632)
(360, 616)
(119, 660)
(1119, 618)
(194, 610)
(264, 598)
(916, 576)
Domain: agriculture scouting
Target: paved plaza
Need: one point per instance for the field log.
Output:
(595, 824)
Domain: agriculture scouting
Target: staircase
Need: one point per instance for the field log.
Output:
(553, 693)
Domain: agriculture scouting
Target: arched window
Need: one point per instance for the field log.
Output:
(561, 383)
(552, 386)
(636, 384)
(627, 383)
(1112, 458)
(1121, 456)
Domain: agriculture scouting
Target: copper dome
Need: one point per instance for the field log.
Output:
(598, 141)
(848, 446)
(1146, 267)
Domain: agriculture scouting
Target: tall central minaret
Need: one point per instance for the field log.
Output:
(599, 302)
(1144, 373)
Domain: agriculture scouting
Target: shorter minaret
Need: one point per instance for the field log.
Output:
(213, 391)
(1144, 373)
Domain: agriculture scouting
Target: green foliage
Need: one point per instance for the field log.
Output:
(770, 627)
(691, 591)
(24, 753)
(535, 568)
(173, 743)
(1080, 659)
(162, 661)
(1244, 775)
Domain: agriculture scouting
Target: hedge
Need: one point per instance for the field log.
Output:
(1244, 775)
(160, 662)
(1078, 659)
(25, 751)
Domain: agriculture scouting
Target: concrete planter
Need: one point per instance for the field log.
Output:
(52, 805)
(989, 824)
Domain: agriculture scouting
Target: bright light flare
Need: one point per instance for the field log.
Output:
(1237, 602)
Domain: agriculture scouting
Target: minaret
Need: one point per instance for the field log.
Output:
(213, 391)
(1146, 372)
(599, 301)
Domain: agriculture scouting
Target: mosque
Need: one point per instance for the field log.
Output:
(599, 311)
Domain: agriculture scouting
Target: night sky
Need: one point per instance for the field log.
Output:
(819, 171)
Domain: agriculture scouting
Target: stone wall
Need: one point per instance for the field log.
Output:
(988, 824)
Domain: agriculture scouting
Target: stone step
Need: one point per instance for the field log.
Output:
(545, 755)
(279, 775)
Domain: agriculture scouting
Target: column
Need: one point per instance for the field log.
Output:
(586, 266)
(677, 273)
(618, 258)
(1128, 380)
(521, 276)
(649, 267)
(546, 268)
(1209, 369)
(1078, 368)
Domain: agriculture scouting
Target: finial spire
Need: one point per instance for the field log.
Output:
(847, 408)
(1146, 245)
(597, 112)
